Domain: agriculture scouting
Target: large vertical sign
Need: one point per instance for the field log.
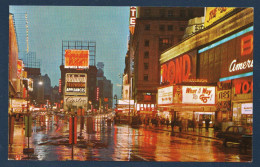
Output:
(76, 84)
(19, 68)
(132, 19)
(76, 58)
(97, 96)
(59, 85)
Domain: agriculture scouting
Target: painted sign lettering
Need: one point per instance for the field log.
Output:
(244, 87)
(176, 70)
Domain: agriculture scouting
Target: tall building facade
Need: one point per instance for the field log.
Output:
(156, 30)
(105, 89)
(215, 79)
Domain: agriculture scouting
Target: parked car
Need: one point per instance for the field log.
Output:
(236, 134)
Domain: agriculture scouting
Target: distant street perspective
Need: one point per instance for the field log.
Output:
(171, 84)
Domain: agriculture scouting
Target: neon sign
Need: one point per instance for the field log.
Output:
(76, 59)
(244, 87)
(234, 66)
(247, 45)
(132, 16)
(176, 70)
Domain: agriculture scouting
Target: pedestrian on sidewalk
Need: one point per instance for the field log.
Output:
(193, 124)
(200, 125)
(167, 122)
(180, 124)
(207, 121)
(172, 124)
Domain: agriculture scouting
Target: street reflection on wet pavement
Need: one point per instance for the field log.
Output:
(104, 141)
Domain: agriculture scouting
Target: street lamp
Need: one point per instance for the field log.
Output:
(115, 97)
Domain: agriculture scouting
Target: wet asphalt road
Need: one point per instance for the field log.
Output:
(109, 142)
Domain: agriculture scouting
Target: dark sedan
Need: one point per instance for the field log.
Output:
(237, 134)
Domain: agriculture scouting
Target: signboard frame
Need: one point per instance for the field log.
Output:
(76, 93)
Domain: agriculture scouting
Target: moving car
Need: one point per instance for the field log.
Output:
(237, 134)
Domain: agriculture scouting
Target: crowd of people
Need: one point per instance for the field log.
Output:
(181, 123)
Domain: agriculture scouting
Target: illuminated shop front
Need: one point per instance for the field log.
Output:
(123, 107)
(235, 83)
(222, 55)
(188, 102)
(181, 93)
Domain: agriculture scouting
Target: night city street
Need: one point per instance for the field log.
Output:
(111, 142)
(130, 83)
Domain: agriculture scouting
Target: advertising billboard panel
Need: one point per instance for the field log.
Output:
(232, 56)
(198, 95)
(215, 13)
(75, 101)
(247, 108)
(76, 84)
(76, 58)
(19, 68)
(18, 105)
(165, 95)
(179, 69)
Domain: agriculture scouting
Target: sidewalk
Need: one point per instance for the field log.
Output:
(196, 132)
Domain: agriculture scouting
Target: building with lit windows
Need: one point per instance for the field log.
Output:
(155, 30)
(210, 73)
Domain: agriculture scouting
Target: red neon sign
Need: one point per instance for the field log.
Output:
(246, 45)
(243, 87)
(177, 70)
(76, 58)
(59, 85)
(97, 93)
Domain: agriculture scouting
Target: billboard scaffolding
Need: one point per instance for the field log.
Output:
(80, 45)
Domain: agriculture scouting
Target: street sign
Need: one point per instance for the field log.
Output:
(28, 127)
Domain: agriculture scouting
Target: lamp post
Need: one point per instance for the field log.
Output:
(28, 128)
(115, 97)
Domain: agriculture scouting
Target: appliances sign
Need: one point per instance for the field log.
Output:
(76, 84)
(198, 95)
(165, 95)
(76, 59)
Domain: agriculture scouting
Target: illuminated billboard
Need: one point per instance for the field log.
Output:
(179, 69)
(132, 19)
(18, 105)
(215, 13)
(76, 84)
(232, 55)
(198, 95)
(19, 68)
(247, 108)
(165, 95)
(76, 58)
(76, 101)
